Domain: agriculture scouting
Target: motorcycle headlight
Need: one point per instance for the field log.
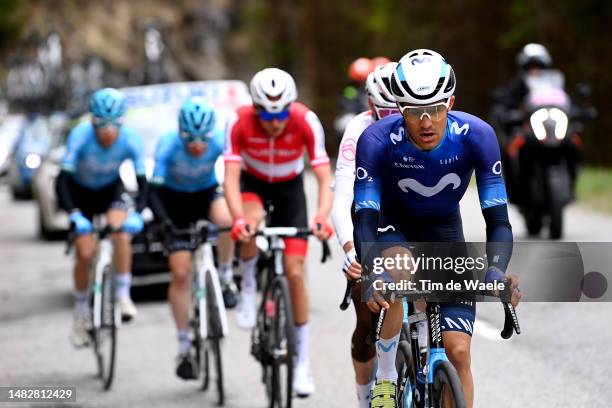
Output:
(561, 121)
(32, 161)
(537, 123)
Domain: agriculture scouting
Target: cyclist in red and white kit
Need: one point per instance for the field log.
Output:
(264, 162)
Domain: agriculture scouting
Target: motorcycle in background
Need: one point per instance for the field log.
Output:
(542, 154)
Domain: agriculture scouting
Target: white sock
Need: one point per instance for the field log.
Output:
(81, 308)
(123, 283)
(302, 337)
(363, 394)
(422, 330)
(247, 270)
(226, 273)
(386, 351)
(183, 341)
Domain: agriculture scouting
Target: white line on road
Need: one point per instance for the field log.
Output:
(486, 330)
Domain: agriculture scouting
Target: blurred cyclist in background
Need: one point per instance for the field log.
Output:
(184, 189)
(382, 104)
(264, 163)
(88, 185)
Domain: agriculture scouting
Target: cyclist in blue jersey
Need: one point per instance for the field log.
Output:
(184, 189)
(411, 171)
(89, 184)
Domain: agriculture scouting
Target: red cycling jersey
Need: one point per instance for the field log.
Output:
(280, 158)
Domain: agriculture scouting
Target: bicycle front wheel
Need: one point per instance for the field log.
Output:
(215, 307)
(282, 344)
(105, 337)
(447, 389)
(405, 374)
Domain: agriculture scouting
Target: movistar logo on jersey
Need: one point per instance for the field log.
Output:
(397, 137)
(464, 129)
(408, 184)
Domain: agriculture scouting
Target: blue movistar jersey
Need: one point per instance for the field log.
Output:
(177, 169)
(95, 166)
(391, 169)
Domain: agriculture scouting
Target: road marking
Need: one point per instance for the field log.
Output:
(486, 330)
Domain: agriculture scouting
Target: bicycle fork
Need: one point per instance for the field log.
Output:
(104, 259)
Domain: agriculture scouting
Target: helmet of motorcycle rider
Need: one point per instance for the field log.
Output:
(533, 56)
(273, 90)
(196, 119)
(377, 89)
(359, 69)
(422, 77)
(107, 104)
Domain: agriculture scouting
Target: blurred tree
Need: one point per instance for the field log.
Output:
(12, 18)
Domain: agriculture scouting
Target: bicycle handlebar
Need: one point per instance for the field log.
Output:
(101, 232)
(511, 323)
(288, 232)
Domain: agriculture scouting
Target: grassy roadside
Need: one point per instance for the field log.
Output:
(594, 188)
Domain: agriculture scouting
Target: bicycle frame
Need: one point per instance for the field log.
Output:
(104, 257)
(204, 255)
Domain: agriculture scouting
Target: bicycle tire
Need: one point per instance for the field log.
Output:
(405, 374)
(447, 379)
(282, 345)
(108, 328)
(201, 357)
(215, 334)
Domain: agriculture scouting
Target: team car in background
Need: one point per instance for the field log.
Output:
(151, 111)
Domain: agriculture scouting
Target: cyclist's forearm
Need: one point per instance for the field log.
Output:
(499, 236)
(341, 208)
(323, 175)
(64, 197)
(231, 187)
(156, 204)
(143, 192)
(348, 246)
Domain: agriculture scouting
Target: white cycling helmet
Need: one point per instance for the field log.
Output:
(377, 86)
(534, 54)
(422, 77)
(273, 89)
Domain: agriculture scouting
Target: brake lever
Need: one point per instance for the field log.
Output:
(346, 300)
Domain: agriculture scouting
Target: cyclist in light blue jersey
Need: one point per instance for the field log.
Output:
(89, 184)
(411, 171)
(184, 189)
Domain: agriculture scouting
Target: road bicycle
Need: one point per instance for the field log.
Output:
(272, 339)
(426, 378)
(105, 317)
(208, 320)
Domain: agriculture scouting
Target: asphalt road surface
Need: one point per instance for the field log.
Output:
(562, 359)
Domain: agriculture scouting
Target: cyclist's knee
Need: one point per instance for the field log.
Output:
(180, 266)
(458, 353)
(294, 268)
(120, 238)
(181, 276)
(85, 250)
(361, 351)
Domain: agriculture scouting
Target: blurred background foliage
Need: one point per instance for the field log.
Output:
(316, 40)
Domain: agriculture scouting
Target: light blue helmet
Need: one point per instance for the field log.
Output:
(196, 118)
(107, 103)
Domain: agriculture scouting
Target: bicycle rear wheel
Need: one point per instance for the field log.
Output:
(215, 334)
(282, 345)
(447, 389)
(105, 337)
